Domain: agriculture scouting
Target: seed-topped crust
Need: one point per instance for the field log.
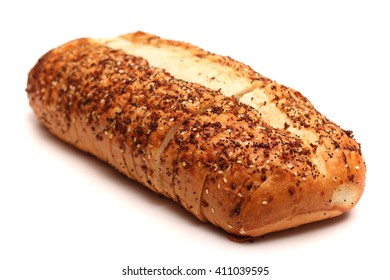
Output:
(231, 146)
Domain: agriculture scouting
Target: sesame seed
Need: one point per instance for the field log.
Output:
(304, 178)
(290, 166)
(220, 172)
(230, 226)
(219, 186)
(212, 210)
(207, 191)
(224, 180)
(242, 231)
(172, 119)
(265, 202)
(239, 161)
(239, 194)
(357, 167)
(184, 163)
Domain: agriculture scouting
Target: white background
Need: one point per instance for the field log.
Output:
(65, 215)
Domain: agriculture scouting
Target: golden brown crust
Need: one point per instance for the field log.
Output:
(250, 170)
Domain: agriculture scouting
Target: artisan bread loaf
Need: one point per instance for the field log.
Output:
(231, 146)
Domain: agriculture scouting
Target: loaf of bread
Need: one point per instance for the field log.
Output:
(231, 146)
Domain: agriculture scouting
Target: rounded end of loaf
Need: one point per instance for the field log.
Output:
(284, 193)
(261, 218)
(279, 203)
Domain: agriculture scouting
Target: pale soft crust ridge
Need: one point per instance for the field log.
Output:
(181, 62)
(166, 114)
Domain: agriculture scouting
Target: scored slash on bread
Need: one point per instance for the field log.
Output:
(230, 145)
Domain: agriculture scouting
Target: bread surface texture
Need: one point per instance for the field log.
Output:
(231, 146)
